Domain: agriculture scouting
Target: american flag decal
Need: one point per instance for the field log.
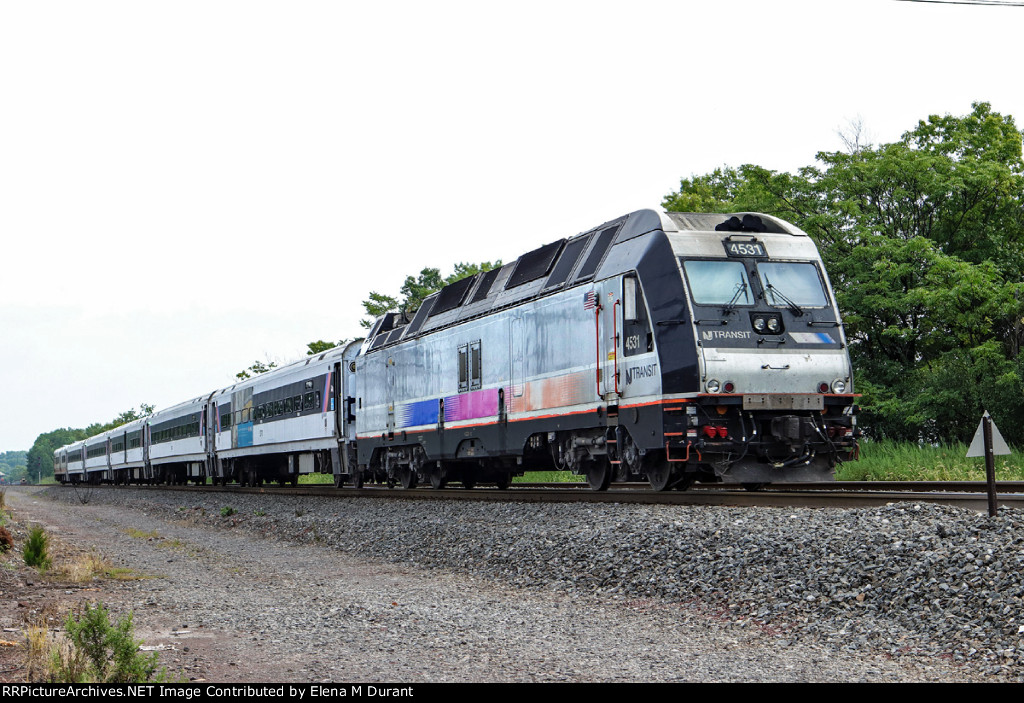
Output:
(590, 300)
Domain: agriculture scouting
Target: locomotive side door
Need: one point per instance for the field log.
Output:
(389, 392)
(608, 338)
(517, 358)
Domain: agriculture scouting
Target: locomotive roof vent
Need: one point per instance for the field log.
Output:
(749, 223)
(726, 222)
(534, 264)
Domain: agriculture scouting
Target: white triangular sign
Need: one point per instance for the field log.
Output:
(977, 447)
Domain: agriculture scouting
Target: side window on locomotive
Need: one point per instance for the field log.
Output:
(463, 368)
(636, 331)
(629, 299)
(475, 365)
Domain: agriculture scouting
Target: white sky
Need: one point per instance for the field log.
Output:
(187, 187)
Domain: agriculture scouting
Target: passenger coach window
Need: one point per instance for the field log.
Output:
(718, 282)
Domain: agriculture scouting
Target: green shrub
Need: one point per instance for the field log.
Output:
(227, 511)
(36, 549)
(102, 652)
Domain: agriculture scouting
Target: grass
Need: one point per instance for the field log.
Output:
(89, 567)
(549, 477)
(139, 534)
(902, 461)
(530, 477)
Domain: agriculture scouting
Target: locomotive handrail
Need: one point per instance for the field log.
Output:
(615, 344)
(597, 344)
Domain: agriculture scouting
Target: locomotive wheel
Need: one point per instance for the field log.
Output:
(437, 479)
(408, 478)
(294, 480)
(468, 483)
(599, 475)
(753, 486)
(660, 476)
(339, 480)
(503, 481)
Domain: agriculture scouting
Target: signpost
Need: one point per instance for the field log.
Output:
(987, 443)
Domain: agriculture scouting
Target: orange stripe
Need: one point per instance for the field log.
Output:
(663, 401)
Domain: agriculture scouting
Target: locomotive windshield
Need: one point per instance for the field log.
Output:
(718, 282)
(787, 284)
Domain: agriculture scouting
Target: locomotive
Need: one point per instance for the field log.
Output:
(662, 347)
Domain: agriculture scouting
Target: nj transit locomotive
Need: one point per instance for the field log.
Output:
(666, 347)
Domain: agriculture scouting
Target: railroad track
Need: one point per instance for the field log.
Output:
(964, 494)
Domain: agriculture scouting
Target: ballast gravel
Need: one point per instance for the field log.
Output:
(371, 589)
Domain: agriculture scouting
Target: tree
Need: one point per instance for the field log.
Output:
(415, 290)
(257, 367)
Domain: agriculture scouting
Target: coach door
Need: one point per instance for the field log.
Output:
(211, 435)
(337, 397)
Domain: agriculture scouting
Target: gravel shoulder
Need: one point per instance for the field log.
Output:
(369, 590)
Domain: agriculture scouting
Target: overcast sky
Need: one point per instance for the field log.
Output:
(187, 187)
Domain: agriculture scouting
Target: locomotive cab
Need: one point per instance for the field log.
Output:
(771, 395)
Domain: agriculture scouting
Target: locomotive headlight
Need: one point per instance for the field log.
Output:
(839, 386)
(773, 324)
(712, 386)
(759, 324)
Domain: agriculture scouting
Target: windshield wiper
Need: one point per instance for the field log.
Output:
(794, 308)
(730, 307)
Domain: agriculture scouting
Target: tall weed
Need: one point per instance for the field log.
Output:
(886, 460)
(36, 552)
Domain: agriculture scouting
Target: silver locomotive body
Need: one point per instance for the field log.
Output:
(660, 347)
(653, 347)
